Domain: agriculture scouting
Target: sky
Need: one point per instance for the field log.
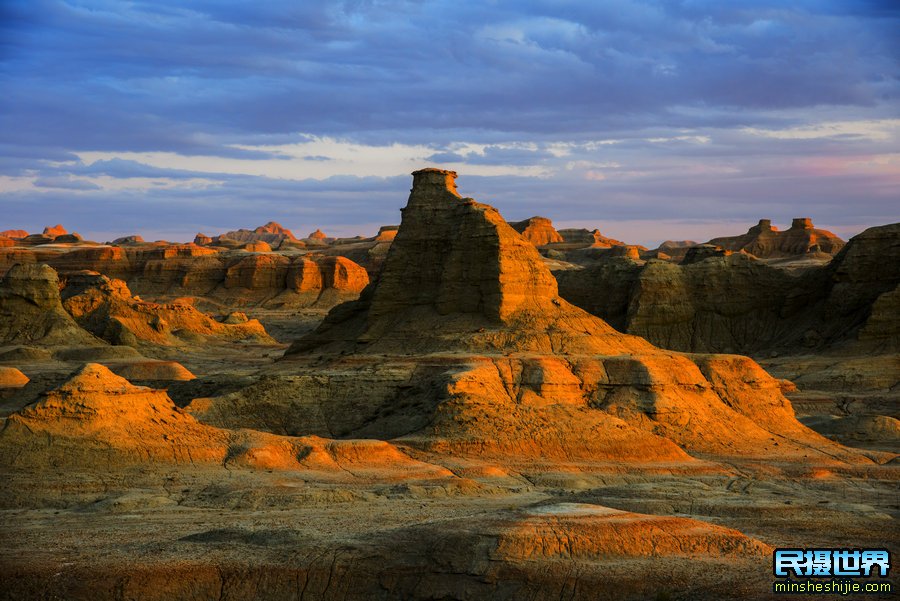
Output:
(649, 120)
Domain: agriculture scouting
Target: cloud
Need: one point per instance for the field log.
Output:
(595, 109)
(65, 183)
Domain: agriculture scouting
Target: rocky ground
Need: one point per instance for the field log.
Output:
(213, 421)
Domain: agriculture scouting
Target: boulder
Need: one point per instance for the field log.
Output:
(10, 377)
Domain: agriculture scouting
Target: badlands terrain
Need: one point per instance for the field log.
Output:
(457, 407)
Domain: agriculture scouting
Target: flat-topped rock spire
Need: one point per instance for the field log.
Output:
(437, 179)
(459, 256)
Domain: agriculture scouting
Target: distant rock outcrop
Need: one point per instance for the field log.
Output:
(588, 237)
(52, 231)
(537, 230)
(272, 233)
(701, 252)
(765, 241)
(248, 276)
(713, 302)
(129, 240)
(14, 234)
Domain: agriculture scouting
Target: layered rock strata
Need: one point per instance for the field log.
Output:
(465, 346)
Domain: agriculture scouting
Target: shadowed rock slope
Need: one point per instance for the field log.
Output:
(736, 303)
(31, 311)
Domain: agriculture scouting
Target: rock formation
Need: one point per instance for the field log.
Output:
(10, 377)
(257, 246)
(272, 233)
(517, 446)
(505, 366)
(106, 308)
(14, 234)
(54, 231)
(701, 252)
(387, 233)
(72, 238)
(128, 240)
(720, 303)
(537, 230)
(590, 238)
(765, 241)
(31, 311)
(234, 278)
(155, 371)
(97, 417)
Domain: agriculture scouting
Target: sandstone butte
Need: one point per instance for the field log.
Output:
(765, 241)
(54, 231)
(537, 230)
(589, 237)
(466, 326)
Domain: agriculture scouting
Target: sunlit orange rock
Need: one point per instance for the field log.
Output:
(537, 230)
(54, 231)
(765, 241)
(257, 246)
(107, 308)
(10, 377)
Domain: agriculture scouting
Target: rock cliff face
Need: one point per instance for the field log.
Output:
(31, 311)
(765, 241)
(713, 302)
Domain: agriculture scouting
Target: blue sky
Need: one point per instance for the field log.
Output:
(649, 120)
